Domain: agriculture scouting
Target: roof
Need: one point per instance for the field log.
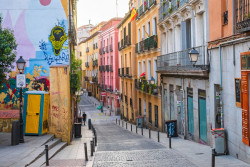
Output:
(96, 33)
(125, 18)
(85, 26)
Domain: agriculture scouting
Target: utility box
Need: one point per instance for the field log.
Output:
(218, 136)
(171, 128)
(15, 133)
(35, 112)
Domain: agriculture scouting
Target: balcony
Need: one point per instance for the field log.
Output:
(178, 63)
(148, 4)
(166, 8)
(86, 64)
(93, 46)
(95, 63)
(103, 50)
(96, 45)
(101, 68)
(147, 87)
(87, 49)
(106, 87)
(107, 49)
(86, 79)
(121, 97)
(122, 72)
(126, 99)
(94, 79)
(147, 44)
(242, 15)
(110, 88)
(119, 72)
(128, 72)
(107, 68)
(100, 51)
(111, 48)
(127, 41)
(131, 102)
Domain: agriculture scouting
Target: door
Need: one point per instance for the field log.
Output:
(33, 114)
(190, 115)
(202, 118)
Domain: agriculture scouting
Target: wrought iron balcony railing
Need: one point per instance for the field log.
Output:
(103, 50)
(107, 49)
(94, 79)
(148, 4)
(126, 99)
(180, 62)
(147, 87)
(119, 72)
(100, 51)
(121, 97)
(107, 68)
(86, 78)
(87, 64)
(87, 49)
(166, 7)
(128, 72)
(122, 72)
(111, 48)
(131, 102)
(242, 15)
(93, 46)
(95, 63)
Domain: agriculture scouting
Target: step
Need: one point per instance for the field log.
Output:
(39, 152)
(39, 162)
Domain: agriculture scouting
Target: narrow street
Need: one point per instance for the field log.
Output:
(119, 147)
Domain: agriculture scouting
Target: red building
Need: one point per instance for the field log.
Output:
(109, 64)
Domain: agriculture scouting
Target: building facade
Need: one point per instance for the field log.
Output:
(127, 68)
(108, 66)
(228, 45)
(147, 48)
(46, 53)
(185, 84)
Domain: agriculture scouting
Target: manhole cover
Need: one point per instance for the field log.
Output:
(199, 153)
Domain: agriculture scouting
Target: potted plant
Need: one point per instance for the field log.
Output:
(164, 14)
(142, 87)
(164, 2)
(178, 3)
(170, 9)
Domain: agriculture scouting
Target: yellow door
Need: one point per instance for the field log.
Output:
(33, 114)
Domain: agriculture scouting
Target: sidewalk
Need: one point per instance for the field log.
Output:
(74, 155)
(197, 153)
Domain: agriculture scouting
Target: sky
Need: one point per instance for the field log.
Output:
(99, 10)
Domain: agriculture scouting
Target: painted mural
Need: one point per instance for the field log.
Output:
(41, 31)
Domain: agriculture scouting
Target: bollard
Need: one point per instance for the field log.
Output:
(47, 155)
(122, 123)
(89, 123)
(126, 126)
(149, 133)
(170, 141)
(85, 150)
(93, 144)
(96, 139)
(131, 128)
(136, 129)
(91, 148)
(213, 157)
(158, 134)
(119, 122)
(142, 131)
(116, 121)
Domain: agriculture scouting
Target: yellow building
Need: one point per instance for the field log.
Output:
(147, 50)
(90, 61)
(127, 68)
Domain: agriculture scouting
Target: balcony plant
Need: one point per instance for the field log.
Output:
(155, 90)
(178, 3)
(164, 3)
(170, 9)
(164, 14)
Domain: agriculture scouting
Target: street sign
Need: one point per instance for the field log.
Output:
(20, 81)
(103, 94)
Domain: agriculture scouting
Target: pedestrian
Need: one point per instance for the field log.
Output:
(84, 117)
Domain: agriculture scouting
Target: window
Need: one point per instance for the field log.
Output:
(143, 66)
(148, 29)
(154, 26)
(143, 32)
(155, 68)
(139, 68)
(149, 70)
(156, 116)
(150, 112)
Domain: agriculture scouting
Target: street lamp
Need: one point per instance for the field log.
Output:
(20, 63)
(193, 56)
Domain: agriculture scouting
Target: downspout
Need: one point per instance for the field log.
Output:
(221, 90)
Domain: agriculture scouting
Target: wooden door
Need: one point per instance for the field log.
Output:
(245, 108)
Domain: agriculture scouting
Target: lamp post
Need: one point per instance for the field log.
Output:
(193, 56)
(20, 66)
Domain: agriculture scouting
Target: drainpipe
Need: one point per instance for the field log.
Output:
(221, 90)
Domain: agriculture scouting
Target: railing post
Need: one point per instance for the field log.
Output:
(47, 155)
(86, 152)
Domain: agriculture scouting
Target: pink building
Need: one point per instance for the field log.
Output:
(109, 64)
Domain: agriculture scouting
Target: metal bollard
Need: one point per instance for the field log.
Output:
(93, 144)
(116, 121)
(126, 126)
(142, 131)
(213, 157)
(85, 150)
(131, 128)
(149, 133)
(170, 144)
(119, 122)
(91, 148)
(136, 129)
(89, 124)
(122, 123)
(96, 139)
(47, 155)
(158, 134)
